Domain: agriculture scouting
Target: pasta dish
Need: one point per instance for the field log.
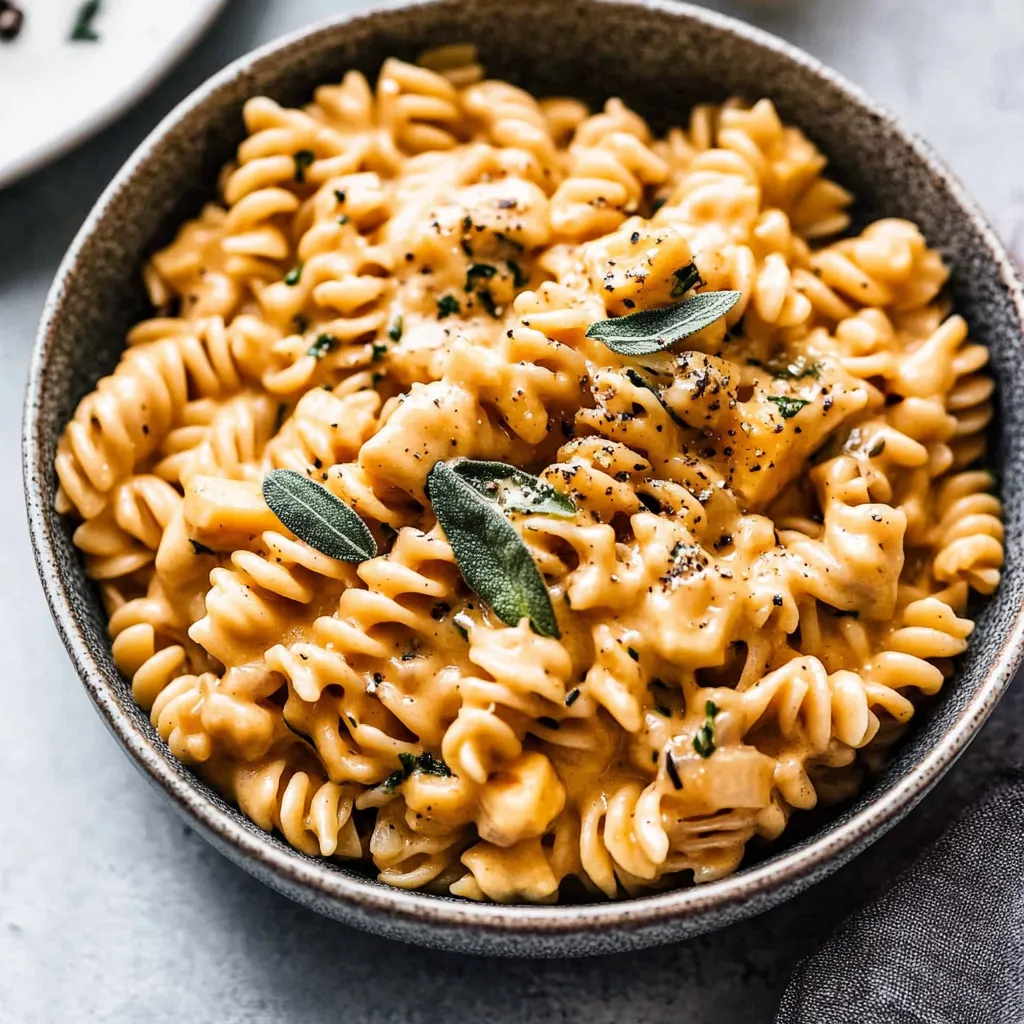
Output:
(522, 504)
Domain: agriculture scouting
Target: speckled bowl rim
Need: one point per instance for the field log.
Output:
(749, 891)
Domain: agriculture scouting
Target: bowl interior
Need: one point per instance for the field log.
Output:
(661, 59)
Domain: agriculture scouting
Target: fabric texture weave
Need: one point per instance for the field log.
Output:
(945, 944)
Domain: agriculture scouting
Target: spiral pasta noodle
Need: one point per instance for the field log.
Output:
(777, 522)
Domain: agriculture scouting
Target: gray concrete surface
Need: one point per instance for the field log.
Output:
(112, 910)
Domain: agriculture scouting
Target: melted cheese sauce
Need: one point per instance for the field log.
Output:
(778, 520)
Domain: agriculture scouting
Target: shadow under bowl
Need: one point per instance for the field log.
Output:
(661, 58)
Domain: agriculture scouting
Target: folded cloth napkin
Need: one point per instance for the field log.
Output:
(945, 944)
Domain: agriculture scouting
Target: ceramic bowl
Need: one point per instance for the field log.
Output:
(661, 58)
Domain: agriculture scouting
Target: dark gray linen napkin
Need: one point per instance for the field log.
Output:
(944, 945)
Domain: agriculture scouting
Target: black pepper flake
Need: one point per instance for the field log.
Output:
(302, 159)
(672, 771)
(572, 696)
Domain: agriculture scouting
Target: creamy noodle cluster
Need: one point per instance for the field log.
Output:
(778, 520)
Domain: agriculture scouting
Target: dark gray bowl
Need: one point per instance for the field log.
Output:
(661, 58)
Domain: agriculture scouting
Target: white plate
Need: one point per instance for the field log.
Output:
(55, 92)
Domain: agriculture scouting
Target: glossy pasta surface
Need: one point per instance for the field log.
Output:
(778, 520)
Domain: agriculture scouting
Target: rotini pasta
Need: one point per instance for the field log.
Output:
(774, 525)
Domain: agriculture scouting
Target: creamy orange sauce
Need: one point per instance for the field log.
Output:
(778, 520)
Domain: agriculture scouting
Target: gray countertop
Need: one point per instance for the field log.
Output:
(112, 910)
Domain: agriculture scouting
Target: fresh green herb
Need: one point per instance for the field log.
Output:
(788, 407)
(492, 557)
(293, 275)
(548, 722)
(658, 203)
(633, 653)
(672, 771)
(82, 31)
(519, 276)
(425, 762)
(200, 549)
(379, 351)
(317, 516)
(642, 382)
(795, 371)
(877, 449)
(686, 278)
(792, 371)
(487, 302)
(339, 195)
(430, 765)
(704, 740)
(652, 330)
(324, 343)
(447, 305)
(478, 270)
(343, 219)
(513, 489)
(395, 330)
(572, 696)
(302, 160)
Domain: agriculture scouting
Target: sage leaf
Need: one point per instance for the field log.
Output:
(492, 557)
(317, 516)
(652, 330)
(513, 489)
(788, 407)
